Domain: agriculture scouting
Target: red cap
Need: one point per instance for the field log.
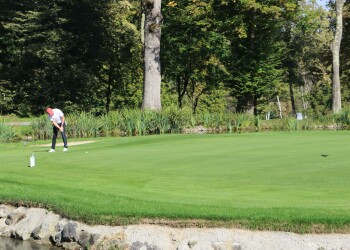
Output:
(49, 111)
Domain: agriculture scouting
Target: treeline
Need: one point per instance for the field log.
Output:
(216, 56)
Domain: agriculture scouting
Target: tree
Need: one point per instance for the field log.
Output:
(335, 47)
(308, 58)
(152, 70)
(254, 31)
(193, 50)
(345, 55)
(120, 57)
(77, 55)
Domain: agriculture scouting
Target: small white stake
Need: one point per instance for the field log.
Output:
(32, 161)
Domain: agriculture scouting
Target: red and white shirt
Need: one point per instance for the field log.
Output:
(57, 115)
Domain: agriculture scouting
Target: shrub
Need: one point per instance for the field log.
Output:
(82, 125)
(343, 119)
(41, 128)
(7, 133)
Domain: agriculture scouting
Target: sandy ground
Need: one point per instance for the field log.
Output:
(236, 239)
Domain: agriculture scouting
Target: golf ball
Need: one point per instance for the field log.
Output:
(86, 152)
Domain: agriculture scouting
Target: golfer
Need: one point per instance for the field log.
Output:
(56, 116)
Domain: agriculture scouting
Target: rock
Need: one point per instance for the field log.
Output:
(136, 245)
(70, 232)
(114, 241)
(95, 237)
(47, 227)
(85, 239)
(192, 243)
(5, 211)
(143, 246)
(31, 220)
(16, 215)
(43, 232)
(57, 238)
(60, 225)
(219, 246)
(183, 246)
(236, 246)
(71, 246)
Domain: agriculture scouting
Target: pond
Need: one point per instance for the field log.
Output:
(13, 244)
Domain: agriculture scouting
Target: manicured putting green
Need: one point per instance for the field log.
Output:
(255, 179)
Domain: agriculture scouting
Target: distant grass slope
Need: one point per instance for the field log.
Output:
(295, 181)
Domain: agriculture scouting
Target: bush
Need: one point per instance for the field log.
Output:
(7, 133)
(82, 125)
(41, 128)
(343, 119)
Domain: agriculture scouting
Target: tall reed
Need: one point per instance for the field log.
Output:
(171, 119)
(343, 119)
(82, 125)
(41, 128)
(7, 133)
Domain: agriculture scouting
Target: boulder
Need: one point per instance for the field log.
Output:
(46, 229)
(5, 210)
(31, 220)
(16, 215)
(70, 232)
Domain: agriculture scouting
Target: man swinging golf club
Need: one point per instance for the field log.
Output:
(56, 116)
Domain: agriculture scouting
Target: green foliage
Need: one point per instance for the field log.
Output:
(216, 55)
(343, 118)
(254, 31)
(172, 120)
(345, 55)
(290, 124)
(7, 133)
(82, 125)
(192, 50)
(41, 127)
(76, 55)
(177, 118)
(215, 101)
(308, 59)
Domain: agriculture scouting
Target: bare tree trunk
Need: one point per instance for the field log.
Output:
(291, 93)
(152, 73)
(279, 107)
(335, 47)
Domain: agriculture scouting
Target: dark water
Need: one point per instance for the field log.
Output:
(13, 244)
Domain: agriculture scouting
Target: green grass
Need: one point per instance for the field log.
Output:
(292, 181)
(13, 118)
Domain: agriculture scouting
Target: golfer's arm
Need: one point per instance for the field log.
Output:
(55, 124)
(62, 118)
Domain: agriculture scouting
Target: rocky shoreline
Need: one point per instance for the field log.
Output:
(45, 227)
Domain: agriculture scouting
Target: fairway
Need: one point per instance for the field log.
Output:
(272, 180)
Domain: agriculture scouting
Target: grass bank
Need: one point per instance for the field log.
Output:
(291, 181)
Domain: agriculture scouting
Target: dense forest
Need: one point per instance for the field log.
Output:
(251, 56)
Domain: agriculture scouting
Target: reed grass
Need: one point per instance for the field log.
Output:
(7, 133)
(171, 119)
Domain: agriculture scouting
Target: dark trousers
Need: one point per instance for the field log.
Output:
(55, 133)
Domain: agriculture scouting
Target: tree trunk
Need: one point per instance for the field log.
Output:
(152, 73)
(291, 93)
(279, 107)
(335, 47)
(181, 92)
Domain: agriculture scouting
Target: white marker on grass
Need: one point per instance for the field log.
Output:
(32, 161)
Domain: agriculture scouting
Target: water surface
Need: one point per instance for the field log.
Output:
(13, 244)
